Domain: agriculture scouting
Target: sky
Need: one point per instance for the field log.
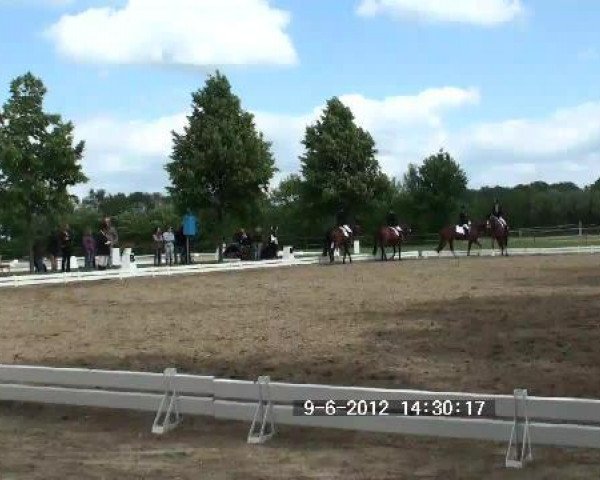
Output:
(511, 88)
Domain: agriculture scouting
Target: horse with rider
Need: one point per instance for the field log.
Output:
(465, 230)
(392, 234)
(341, 237)
(498, 227)
(469, 231)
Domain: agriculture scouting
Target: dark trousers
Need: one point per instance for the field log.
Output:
(38, 263)
(157, 256)
(66, 260)
(90, 259)
(180, 254)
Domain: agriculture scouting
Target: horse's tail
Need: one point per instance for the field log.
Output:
(326, 246)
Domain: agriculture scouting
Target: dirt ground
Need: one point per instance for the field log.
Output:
(478, 325)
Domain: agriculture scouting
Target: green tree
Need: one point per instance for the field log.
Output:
(38, 159)
(339, 167)
(435, 188)
(220, 162)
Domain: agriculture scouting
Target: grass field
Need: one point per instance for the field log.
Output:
(479, 325)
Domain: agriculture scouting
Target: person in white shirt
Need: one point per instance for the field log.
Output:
(169, 243)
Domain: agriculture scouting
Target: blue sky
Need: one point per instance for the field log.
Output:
(510, 87)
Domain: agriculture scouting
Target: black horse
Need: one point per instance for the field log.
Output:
(269, 251)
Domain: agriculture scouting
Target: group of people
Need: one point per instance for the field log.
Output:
(172, 244)
(253, 246)
(60, 244)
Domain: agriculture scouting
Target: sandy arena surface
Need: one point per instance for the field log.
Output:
(478, 325)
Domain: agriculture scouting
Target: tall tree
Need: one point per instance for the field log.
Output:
(38, 158)
(220, 162)
(339, 167)
(436, 187)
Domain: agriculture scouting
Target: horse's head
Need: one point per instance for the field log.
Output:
(356, 230)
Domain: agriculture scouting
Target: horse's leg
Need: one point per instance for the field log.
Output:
(441, 245)
(394, 252)
(347, 251)
(375, 245)
(469, 247)
(451, 245)
(400, 251)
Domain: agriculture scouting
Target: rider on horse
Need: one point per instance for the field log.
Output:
(498, 212)
(392, 222)
(273, 236)
(341, 219)
(463, 220)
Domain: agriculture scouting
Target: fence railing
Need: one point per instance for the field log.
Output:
(566, 422)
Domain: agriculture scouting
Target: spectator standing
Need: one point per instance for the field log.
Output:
(66, 245)
(89, 249)
(113, 236)
(169, 244)
(103, 246)
(54, 249)
(38, 256)
(157, 239)
(180, 246)
(257, 242)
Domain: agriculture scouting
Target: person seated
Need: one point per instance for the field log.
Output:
(464, 223)
(498, 212)
(342, 222)
(392, 222)
(273, 236)
(244, 239)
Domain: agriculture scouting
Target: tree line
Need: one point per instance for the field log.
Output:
(221, 167)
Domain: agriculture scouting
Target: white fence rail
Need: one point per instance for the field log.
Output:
(297, 259)
(566, 422)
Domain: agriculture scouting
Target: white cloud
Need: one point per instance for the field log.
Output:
(405, 128)
(179, 32)
(477, 12)
(563, 146)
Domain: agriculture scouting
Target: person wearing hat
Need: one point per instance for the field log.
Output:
(341, 218)
(463, 220)
(498, 212)
(392, 221)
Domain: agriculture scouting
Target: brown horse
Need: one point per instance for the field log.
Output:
(499, 233)
(389, 237)
(449, 234)
(336, 239)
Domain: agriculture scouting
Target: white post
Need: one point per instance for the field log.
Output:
(116, 257)
(287, 256)
(356, 247)
(126, 263)
(580, 229)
